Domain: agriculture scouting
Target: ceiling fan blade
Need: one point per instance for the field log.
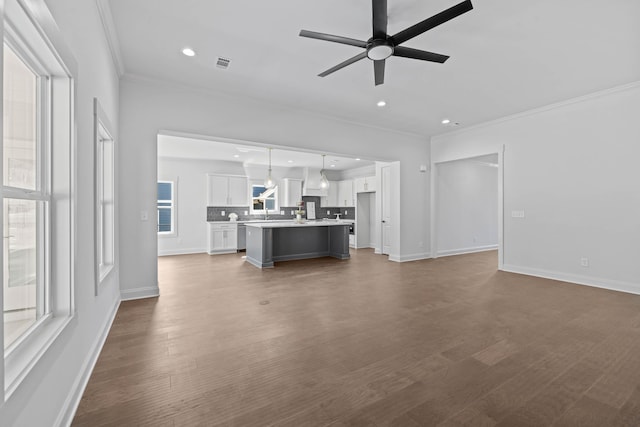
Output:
(407, 52)
(344, 64)
(379, 19)
(332, 38)
(432, 22)
(378, 70)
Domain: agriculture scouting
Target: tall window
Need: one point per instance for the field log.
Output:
(263, 200)
(36, 189)
(26, 199)
(105, 196)
(166, 208)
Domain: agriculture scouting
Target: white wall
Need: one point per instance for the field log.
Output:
(573, 169)
(189, 176)
(466, 205)
(48, 395)
(148, 107)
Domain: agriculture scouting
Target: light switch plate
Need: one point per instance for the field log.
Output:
(517, 214)
(144, 216)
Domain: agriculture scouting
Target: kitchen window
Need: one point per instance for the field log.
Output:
(166, 208)
(36, 191)
(263, 200)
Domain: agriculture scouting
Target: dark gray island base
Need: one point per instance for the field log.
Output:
(272, 242)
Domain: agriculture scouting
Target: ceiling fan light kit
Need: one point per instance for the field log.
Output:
(382, 46)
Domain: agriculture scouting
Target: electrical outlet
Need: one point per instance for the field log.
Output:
(246, 212)
(222, 213)
(292, 212)
(346, 213)
(328, 212)
(282, 212)
(584, 261)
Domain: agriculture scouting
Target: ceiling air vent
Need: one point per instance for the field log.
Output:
(223, 63)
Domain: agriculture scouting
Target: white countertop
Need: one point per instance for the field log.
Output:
(291, 223)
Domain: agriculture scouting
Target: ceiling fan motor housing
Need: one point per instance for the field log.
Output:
(379, 49)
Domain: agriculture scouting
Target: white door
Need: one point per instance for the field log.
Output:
(386, 209)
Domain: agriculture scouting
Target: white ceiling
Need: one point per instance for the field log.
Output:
(506, 56)
(192, 148)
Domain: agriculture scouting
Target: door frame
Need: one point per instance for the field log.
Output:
(434, 198)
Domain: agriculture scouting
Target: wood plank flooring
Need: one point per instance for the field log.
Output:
(366, 342)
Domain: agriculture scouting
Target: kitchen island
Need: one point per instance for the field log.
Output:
(269, 242)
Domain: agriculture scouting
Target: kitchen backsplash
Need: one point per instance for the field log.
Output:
(214, 213)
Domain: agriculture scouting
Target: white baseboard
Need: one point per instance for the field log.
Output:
(168, 252)
(65, 417)
(139, 293)
(410, 257)
(470, 250)
(596, 282)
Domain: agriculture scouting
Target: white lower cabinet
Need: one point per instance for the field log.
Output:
(223, 238)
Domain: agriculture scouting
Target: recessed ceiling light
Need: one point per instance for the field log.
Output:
(446, 121)
(289, 161)
(188, 51)
(333, 166)
(236, 155)
(381, 103)
(357, 160)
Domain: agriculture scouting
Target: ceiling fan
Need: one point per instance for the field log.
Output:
(381, 45)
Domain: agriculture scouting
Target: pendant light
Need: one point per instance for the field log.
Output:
(324, 182)
(269, 183)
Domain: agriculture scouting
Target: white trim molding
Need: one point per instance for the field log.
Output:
(169, 252)
(470, 250)
(410, 257)
(106, 17)
(596, 282)
(140, 293)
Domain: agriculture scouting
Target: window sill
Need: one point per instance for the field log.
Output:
(163, 235)
(21, 360)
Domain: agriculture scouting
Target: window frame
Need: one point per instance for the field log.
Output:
(276, 203)
(105, 229)
(173, 209)
(30, 28)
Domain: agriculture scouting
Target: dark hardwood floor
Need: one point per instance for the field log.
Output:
(364, 342)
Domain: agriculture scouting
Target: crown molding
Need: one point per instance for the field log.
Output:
(539, 110)
(104, 10)
(147, 79)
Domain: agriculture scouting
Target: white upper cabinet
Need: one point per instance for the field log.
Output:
(365, 184)
(340, 194)
(345, 193)
(331, 199)
(227, 190)
(292, 192)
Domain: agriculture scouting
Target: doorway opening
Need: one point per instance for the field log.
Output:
(467, 206)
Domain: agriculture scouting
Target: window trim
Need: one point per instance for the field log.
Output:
(39, 33)
(173, 208)
(253, 211)
(101, 124)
